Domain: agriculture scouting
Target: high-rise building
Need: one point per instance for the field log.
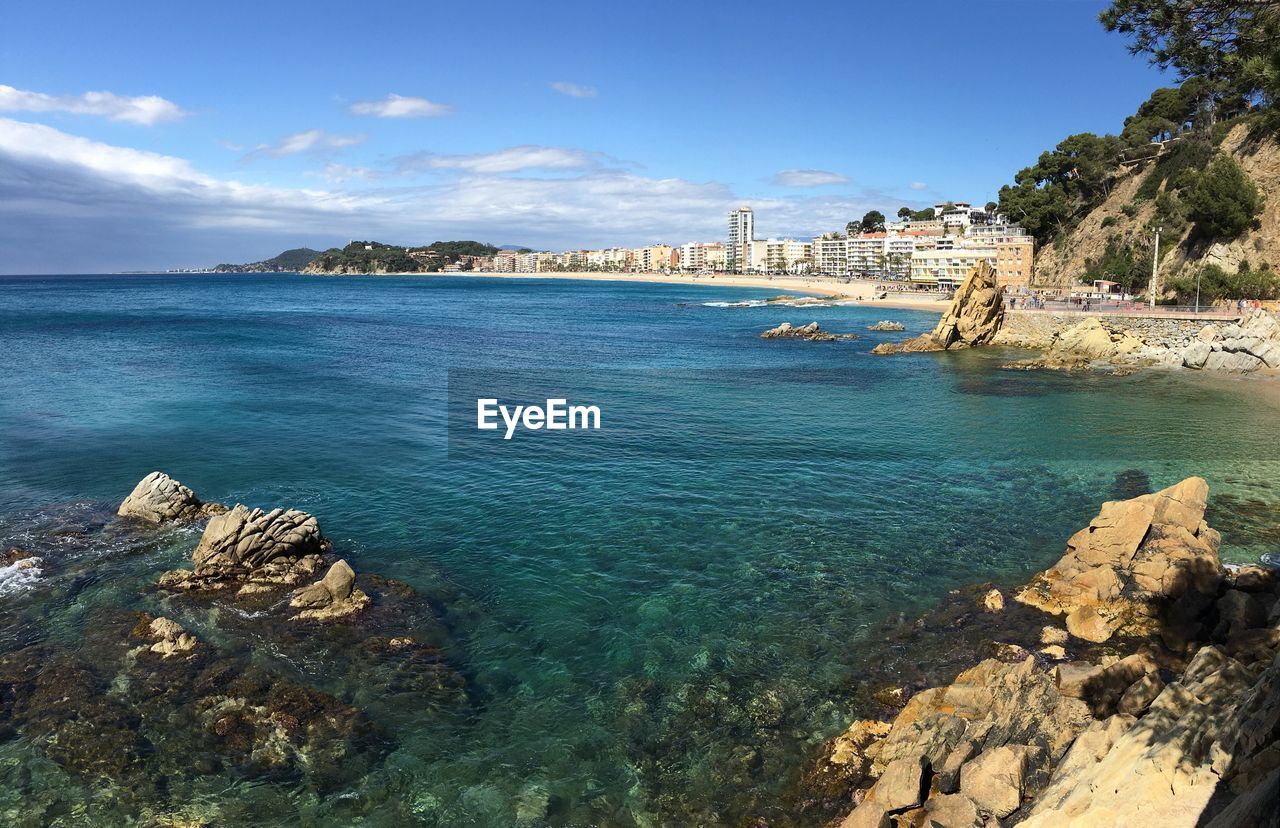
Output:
(742, 230)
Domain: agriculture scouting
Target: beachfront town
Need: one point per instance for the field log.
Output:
(933, 248)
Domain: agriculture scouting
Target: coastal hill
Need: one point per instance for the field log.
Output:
(1187, 183)
(286, 262)
(371, 257)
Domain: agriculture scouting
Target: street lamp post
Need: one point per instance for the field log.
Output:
(1155, 262)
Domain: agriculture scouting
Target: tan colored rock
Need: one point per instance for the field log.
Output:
(945, 811)
(993, 601)
(333, 596)
(1134, 560)
(252, 548)
(995, 779)
(973, 318)
(158, 498)
(1054, 651)
(1140, 695)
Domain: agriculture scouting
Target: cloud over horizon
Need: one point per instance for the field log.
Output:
(91, 207)
(145, 110)
(400, 106)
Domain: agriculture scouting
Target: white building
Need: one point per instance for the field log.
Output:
(742, 231)
(699, 257)
(831, 254)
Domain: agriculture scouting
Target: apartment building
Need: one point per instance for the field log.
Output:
(1014, 256)
(696, 257)
(742, 231)
(831, 254)
(867, 252)
(947, 268)
(504, 261)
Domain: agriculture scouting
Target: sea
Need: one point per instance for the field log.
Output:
(657, 622)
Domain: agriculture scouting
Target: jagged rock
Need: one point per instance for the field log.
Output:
(1087, 339)
(252, 550)
(973, 318)
(19, 557)
(810, 332)
(333, 596)
(158, 498)
(949, 810)
(1136, 559)
(1165, 769)
(887, 325)
(996, 779)
(993, 601)
(902, 785)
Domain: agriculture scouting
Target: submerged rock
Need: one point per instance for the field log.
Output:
(886, 325)
(158, 498)
(810, 332)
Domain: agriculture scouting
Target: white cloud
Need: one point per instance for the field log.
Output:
(145, 110)
(338, 173)
(69, 204)
(808, 178)
(311, 140)
(508, 160)
(919, 185)
(573, 90)
(400, 106)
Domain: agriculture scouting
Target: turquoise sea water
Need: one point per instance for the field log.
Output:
(658, 622)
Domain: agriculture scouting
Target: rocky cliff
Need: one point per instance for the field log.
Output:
(1125, 217)
(1151, 698)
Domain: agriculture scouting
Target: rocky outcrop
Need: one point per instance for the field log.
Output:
(973, 318)
(252, 550)
(1140, 566)
(1182, 731)
(887, 325)
(810, 332)
(169, 636)
(158, 498)
(333, 596)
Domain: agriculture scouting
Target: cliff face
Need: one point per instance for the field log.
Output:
(1062, 263)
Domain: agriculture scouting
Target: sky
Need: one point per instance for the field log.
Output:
(162, 135)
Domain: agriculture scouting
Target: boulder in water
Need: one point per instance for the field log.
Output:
(973, 318)
(158, 498)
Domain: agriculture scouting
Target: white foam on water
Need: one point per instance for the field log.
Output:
(748, 303)
(19, 576)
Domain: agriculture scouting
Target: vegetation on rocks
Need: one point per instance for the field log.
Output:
(376, 257)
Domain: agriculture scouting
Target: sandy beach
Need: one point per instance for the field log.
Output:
(856, 291)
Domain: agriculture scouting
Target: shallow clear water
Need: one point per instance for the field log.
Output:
(659, 619)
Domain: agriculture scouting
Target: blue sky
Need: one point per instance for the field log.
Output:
(231, 131)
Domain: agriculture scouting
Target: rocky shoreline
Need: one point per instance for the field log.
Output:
(229, 669)
(1114, 344)
(1135, 682)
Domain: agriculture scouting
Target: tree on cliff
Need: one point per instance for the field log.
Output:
(1222, 202)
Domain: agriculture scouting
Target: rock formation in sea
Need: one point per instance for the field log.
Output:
(1158, 704)
(973, 318)
(811, 332)
(158, 498)
(220, 679)
(887, 325)
(254, 551)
